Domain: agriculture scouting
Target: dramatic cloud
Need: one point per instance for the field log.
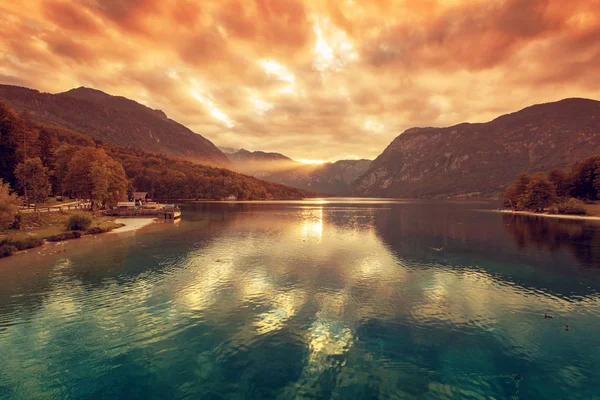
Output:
(315, 80)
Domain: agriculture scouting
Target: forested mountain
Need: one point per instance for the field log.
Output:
(481, 159)
(115, 120)
(63, 154)
(327, 178)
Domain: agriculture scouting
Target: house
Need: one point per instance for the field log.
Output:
(140, 198)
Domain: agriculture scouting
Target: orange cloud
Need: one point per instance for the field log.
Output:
(313, 80)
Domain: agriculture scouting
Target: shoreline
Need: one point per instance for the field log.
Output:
(546, 215)
(127, 225)
(132, 224)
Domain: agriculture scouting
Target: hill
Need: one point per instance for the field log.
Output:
(327, 178)
(480, 160)
(115, 120)
(163, 177)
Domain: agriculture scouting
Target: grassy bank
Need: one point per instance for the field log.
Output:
(36, 229)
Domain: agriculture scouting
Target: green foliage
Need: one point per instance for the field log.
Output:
(571, 207)
(586, 178)
(513, 196)
(76, 167)
(7, 250)
(79, 222)
(10, 246)
(563, 184)
(64, 236)
(539, 193)
(25, 243)
(97, 230)
(8, 206)
(92, 174)
(33, 179)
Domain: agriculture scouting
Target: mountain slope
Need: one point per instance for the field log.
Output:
(163, 177)
(481, 159)
(116, 120)
(328, 178)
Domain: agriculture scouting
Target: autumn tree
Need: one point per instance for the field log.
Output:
(516, 191)
(62, 159)
(586, 178)
(8, 206)
(539, 193)
(33, 179)
(93, 175)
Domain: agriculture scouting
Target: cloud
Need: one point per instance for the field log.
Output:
(312, 80)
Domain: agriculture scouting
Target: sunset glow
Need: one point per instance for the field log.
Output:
(315, 162)
(304, 77)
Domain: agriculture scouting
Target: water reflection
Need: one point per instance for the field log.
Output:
(308, 300)
(582, 238)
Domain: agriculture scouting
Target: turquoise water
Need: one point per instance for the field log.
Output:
(319, 300)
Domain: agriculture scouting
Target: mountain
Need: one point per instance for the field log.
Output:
(116, 120)
(260, 163)
(327, 178)
(479, 160)
(163, 177)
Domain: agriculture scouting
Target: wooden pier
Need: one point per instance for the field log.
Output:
(166, 212)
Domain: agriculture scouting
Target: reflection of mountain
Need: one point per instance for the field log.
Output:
(293, 300)
(327, 178)
(581, 238)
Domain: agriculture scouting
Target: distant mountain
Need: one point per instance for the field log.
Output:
(479, 160)
(116, 120)
(328, 178)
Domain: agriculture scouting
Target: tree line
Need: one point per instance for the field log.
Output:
(559, 191)
(39, 160)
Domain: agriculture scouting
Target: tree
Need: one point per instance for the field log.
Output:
(562, 183)
(92, 174)
(516, 191)
(8, 206)
(62, 159)
(586, 178)
(47, 144)
(33, 179)
(539, 195)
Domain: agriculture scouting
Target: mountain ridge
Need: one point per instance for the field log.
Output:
(116, 120)
(327, 178)
(480, 159)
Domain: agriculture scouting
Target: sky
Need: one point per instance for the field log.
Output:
(313, 79)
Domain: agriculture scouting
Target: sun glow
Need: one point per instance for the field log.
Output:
(314, 162)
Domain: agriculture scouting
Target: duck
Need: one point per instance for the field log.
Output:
(517, 377)
(566, 327)
(546, 316)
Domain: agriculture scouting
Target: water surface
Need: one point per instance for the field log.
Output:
(341, 299)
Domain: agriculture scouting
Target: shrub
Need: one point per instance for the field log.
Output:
(571, 207)
(79, 222)
(96, 230)
(21, 243)
(7, 250)
(64, 236)
(26, 243)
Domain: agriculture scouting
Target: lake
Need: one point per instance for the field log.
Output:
(320, 299)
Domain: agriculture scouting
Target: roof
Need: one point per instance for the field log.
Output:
(139, 195)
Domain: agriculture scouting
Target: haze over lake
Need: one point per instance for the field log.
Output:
(341, 299)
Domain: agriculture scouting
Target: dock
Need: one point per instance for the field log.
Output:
(148, 209)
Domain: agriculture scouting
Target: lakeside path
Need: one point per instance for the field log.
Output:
(557, 216)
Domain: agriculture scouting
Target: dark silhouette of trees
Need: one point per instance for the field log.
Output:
(586, 178)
